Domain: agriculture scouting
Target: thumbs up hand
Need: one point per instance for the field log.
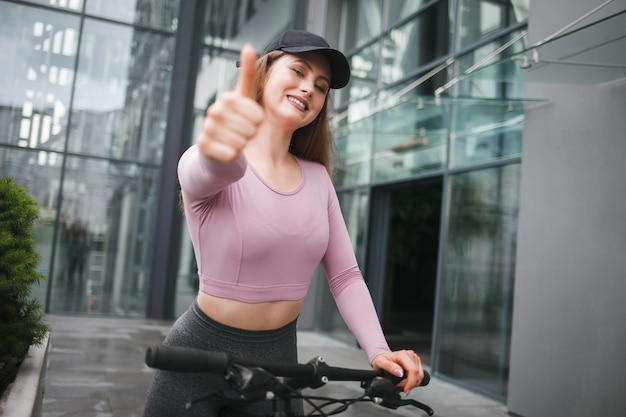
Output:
(234, 118)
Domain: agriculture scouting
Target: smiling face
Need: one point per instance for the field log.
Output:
(296, 88)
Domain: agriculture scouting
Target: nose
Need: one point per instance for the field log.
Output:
(307, 87)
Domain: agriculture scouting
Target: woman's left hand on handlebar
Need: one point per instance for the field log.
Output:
(399, 363)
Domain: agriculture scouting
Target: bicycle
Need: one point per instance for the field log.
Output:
(252, 381)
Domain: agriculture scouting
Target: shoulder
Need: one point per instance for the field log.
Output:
(316, 175)
(317, 172)
(312, 167)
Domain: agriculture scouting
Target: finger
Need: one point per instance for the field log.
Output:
(233, 114)
(405, 364)
(413, 371)
(247, 71)
(219, 151)
(389, 365)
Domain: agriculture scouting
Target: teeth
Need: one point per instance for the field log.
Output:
(298, 102)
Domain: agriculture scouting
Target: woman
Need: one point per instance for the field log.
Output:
(262, 214)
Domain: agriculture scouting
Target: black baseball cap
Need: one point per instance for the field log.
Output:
(294, 41)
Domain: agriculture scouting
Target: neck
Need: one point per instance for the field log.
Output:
(270, 145)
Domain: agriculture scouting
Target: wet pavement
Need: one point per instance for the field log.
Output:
(96, 369)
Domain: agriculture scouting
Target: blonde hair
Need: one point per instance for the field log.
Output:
(313, 142)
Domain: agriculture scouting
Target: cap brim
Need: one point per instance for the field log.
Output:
(339, 65)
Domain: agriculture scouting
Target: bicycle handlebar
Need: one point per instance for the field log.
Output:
(181, 359)
(253, 380)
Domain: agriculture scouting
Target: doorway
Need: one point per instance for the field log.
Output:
(410, 216)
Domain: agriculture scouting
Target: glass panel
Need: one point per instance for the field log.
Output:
(105, 236)
(36, 72)
(75, 5)
(591, 54)
(520, 10)
(361, 22)
(480, 18)
(160, 14)
(411, 265)
(493, 81)
(399, 9)
(228, 24)
(477, 278)
(187, 280)
(410, 138)
(40, 173)
(414, 44)
(354, 148)
(354, 207)
(485, 131)
(122, 92)
(218, 73)
(364, 67)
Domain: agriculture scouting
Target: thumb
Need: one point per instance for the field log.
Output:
(247, 72)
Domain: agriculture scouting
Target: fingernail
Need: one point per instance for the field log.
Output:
(399, 372)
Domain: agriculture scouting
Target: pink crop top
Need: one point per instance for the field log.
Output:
(256, 244)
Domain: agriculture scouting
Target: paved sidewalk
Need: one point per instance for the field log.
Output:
(96, 369)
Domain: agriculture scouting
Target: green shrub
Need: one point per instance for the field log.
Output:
(21, 317)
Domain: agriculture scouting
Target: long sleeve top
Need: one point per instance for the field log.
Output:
(254, 243)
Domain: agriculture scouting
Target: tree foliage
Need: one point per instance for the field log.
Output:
(21, 317)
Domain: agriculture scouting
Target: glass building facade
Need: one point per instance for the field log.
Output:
(99, 98)
(429, 175)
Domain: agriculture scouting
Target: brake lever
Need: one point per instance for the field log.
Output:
(384, 392)
(419, 405)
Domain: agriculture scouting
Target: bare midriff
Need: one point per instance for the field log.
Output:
(249, 316)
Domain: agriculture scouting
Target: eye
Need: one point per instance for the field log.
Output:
(298, 72)
(321, 89)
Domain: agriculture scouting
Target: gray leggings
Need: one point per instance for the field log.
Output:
(170, 391)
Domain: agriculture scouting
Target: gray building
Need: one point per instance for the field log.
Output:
(481, 148)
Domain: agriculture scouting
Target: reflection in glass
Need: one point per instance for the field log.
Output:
(477, 19)
(477, 278)
(413, 219)
(364, 72)
(217, 74)
(104, 238)
(415, 44)
(362, 20)
(36, 71)
(410, 138)
(354, 150)
(354, 206)
(486, 131)
(40, 173)
(487, 119)
(187, 280)
(400, 9)
(74, 5)
(122, 91)
(158, 14)
(490, 80)
(229, 24)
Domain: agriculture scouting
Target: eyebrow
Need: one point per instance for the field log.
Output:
(306, 63)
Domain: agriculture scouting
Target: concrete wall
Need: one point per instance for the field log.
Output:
(569, 334)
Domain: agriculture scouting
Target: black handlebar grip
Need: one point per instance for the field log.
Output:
(396, 379)
(426, 379)
(181, 359)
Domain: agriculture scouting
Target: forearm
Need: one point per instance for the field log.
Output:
(201, 177)
(357, 309)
